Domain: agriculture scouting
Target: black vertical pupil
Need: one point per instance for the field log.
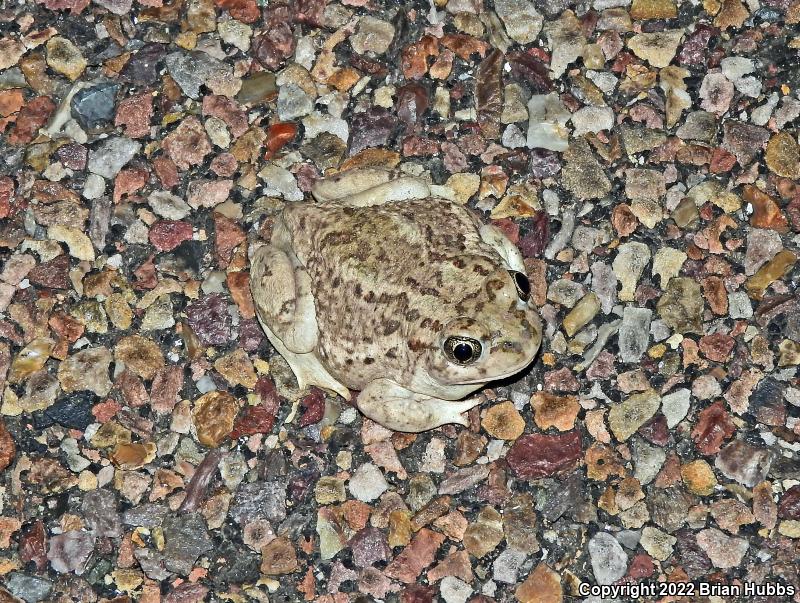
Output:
(462, 352)
(523, 285)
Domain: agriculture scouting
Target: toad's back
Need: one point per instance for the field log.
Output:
(382, 274)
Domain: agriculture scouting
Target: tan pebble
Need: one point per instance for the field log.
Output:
(213, 416)
(65, 58)
(237, 369)
(140, 355)
(551, 410)
(770, 272)
(133, 456)
(699, 477)
(503, 421)
(30, 359)
(582, 314)
(543, 585)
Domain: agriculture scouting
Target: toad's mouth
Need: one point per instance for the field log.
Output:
(500, 376)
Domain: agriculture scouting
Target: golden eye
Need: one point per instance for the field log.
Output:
(462, 350)
(522, 283)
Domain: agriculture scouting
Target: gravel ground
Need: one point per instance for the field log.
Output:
(644, 157)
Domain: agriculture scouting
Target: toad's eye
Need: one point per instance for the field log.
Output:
(462, 350)
(522, 283)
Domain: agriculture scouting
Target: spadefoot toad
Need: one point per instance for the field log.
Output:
(384, 288)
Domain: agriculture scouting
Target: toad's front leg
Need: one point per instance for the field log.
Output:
(400, 409)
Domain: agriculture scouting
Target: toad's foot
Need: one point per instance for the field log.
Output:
(370, 186)
(400, 409)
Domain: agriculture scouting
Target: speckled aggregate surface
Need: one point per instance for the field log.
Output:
(642, 154)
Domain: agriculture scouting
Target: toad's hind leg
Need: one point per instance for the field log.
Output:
(283, 300)
(285, 308)
(397, 408)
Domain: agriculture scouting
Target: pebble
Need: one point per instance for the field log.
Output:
(591, 120)
(30, 589)
(195, 69)
(213, 415)
(724, 551)
(521, 19)
(565, 292)
(407, 565)
(628, 416)
(210, 320)
(168, 206)
(372, 36)
(543, 584)
(582, 314)
(70, 551)
(94, 105)
(503, 421)
(139, 354)
(717, 92)
(675, 406)
(79, 245)
(536, 455)
(367, 483)
(551, 410)
(65, 58)
(86, 370)
(744, 463)
(485, 534)
(454, 590)
(699, 477)
(783, 155)
(547, 119)
(186, 537)
(628, 267)
(658, 544)
(608, 558)
(280, 182)
(634, 333)
(112, 155)
(188, 144)
(507, 565)
(657, 48)
(681, 306)
(30, 359)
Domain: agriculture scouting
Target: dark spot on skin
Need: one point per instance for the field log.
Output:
(415, 345)
(287, 307)
(348, 361)
(370, 297)
(368, 360)
(480, 270)
(459, 263)
(429, 291)
(358, 289)
(493, 285)
(336, 281)
(432, 325)
(333, 239)
(412, 316)
(390, 327)
(391, 353)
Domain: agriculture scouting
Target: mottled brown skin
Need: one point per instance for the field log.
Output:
(379, 290)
